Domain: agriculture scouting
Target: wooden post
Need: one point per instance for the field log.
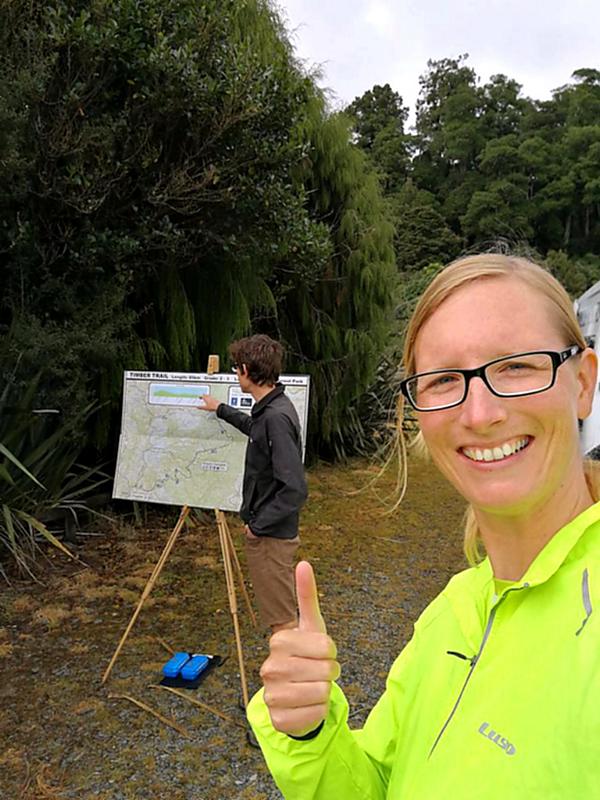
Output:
(221, 524)
(240, 574)
(213, 364)
(148, 588)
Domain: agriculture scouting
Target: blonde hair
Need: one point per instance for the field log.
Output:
(449, 280)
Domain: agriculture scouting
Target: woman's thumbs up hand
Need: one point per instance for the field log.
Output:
(301, 665)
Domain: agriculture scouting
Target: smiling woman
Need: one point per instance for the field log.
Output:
(499, 375)
(485, 308)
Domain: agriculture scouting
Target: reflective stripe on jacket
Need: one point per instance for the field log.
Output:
(493, 698)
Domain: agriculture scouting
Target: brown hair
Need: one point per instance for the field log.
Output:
(261, 355)
(449, 280)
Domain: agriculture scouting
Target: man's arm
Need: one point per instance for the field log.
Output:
(239, 420)
(288, 472)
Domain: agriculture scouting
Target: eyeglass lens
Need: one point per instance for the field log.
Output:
(510, 376)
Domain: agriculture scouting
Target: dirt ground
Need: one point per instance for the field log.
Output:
(64, 735)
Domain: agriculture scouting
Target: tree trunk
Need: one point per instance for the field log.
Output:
(567, 233)
(586, 231)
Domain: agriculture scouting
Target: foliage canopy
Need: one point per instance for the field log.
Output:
(158, 190)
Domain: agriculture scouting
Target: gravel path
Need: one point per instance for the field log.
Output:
(65, 736)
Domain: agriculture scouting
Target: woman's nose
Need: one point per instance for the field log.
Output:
(481, 408)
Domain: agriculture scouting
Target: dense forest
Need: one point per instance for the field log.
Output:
(485, 163)
(171, 178)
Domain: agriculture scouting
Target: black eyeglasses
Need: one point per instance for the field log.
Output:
(512, 376)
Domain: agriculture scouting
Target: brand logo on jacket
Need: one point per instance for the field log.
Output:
(497, 738)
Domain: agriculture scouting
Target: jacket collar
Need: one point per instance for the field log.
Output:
(555, 552)
(470, 592)
(278, 389)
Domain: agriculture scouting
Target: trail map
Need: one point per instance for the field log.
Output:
(171, 452)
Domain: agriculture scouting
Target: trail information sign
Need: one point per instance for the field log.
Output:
(171, 452)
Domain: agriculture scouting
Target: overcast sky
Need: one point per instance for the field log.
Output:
(358, 43)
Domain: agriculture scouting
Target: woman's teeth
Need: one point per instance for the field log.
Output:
(496, 453)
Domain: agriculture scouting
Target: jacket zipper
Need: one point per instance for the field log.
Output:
(473, 661)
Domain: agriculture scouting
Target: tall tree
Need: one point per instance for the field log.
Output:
(338, 326)
(422, 235)
(559, 143)
(448, 113)
(379, 118)
(501, 209)
(503, 107)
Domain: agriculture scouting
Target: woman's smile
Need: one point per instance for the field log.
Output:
(499, 452)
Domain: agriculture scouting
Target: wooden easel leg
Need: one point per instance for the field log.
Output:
(240, 574)
(148, 588)
(221, 525)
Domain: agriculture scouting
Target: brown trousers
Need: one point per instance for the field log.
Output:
(271, 564)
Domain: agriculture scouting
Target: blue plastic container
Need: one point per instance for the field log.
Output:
(194, 667)
(174, 665)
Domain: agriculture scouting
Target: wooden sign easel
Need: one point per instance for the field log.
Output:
(230, 561)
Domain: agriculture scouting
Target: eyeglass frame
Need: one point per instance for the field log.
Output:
(558, 358)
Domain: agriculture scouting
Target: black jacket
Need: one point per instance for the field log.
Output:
(274, 487)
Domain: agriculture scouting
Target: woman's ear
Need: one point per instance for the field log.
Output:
(587, 377)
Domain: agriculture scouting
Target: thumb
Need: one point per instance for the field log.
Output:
(309, 614)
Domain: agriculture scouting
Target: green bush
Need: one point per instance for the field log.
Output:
(38, 475)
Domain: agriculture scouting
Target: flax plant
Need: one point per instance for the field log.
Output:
(38, 477)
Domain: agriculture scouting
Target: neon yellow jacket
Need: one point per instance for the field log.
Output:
(492, 699)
